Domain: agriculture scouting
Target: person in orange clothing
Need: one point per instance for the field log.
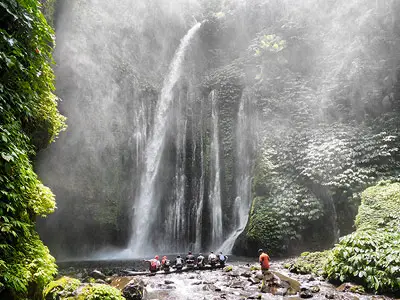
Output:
(264, 262)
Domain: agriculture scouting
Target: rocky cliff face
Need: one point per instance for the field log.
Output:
(320, 123)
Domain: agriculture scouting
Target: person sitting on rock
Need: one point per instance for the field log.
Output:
(165, 264)
(200, 261)
(179, 263)
(154, 264)
(222, 259)
(190, 260)
(264, 262)
(212, 259)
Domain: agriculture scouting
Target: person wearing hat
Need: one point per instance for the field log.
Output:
(154, 264)
(264, 262)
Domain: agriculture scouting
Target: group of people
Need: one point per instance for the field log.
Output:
(190, 262)
(200, 261)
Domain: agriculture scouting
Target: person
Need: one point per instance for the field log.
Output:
(154, 264)
(264, 262)
(222, 259)
(190, 260)
(200, 261)
(178, 263)
(165, 264)
(212, 259)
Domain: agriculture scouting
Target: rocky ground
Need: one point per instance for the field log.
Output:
(240, 280)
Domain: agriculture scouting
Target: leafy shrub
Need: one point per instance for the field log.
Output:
(64, 286)
(370, 257)
(100, 292)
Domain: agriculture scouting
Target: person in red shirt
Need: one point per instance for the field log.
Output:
(264, 262)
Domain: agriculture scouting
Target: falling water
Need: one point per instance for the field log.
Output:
(147, 201)
(215, 194)
(199, 211)
(243, 180)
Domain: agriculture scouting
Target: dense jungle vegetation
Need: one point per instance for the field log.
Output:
(29, 121)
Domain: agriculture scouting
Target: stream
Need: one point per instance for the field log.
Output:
(240, 283)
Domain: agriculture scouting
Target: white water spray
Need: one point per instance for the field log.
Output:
(147, 201)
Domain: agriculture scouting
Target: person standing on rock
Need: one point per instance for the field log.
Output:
(264, 262)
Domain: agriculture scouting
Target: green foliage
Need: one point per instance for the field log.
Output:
(64, 286)
(100, 292)
(283, 208)
(371, 255)
(368, 257)
(380, 207)
(309, 262)
(30, 120)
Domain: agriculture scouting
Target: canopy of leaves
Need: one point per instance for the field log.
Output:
(29, 121)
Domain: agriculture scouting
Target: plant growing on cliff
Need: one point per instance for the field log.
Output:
(30, 120)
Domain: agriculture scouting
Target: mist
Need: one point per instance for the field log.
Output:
(261, 83)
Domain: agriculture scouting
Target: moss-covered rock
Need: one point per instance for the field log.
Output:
(310, 262)
(99, 292)
(380, 207)
(61, 288)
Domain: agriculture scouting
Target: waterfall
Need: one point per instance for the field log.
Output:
(215, 192)
(243, 180)
(200, 205)
(147, 202)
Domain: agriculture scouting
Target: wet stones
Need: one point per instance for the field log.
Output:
(96, 274)
(134, 290)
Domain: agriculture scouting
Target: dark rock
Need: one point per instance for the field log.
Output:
(109, 280)
(101, 281)
(246, 274)
(306, 294)
(330, 295)
(310, 278)
(217, 289)
(96, 274)
(168, 281)
(134, 290)
(196, 283)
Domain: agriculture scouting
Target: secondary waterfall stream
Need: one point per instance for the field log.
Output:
(147, 200)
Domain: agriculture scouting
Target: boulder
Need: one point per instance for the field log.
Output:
(63, 287)
(134, 290)
(246, 274)
(96, 274)
(306, 293)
